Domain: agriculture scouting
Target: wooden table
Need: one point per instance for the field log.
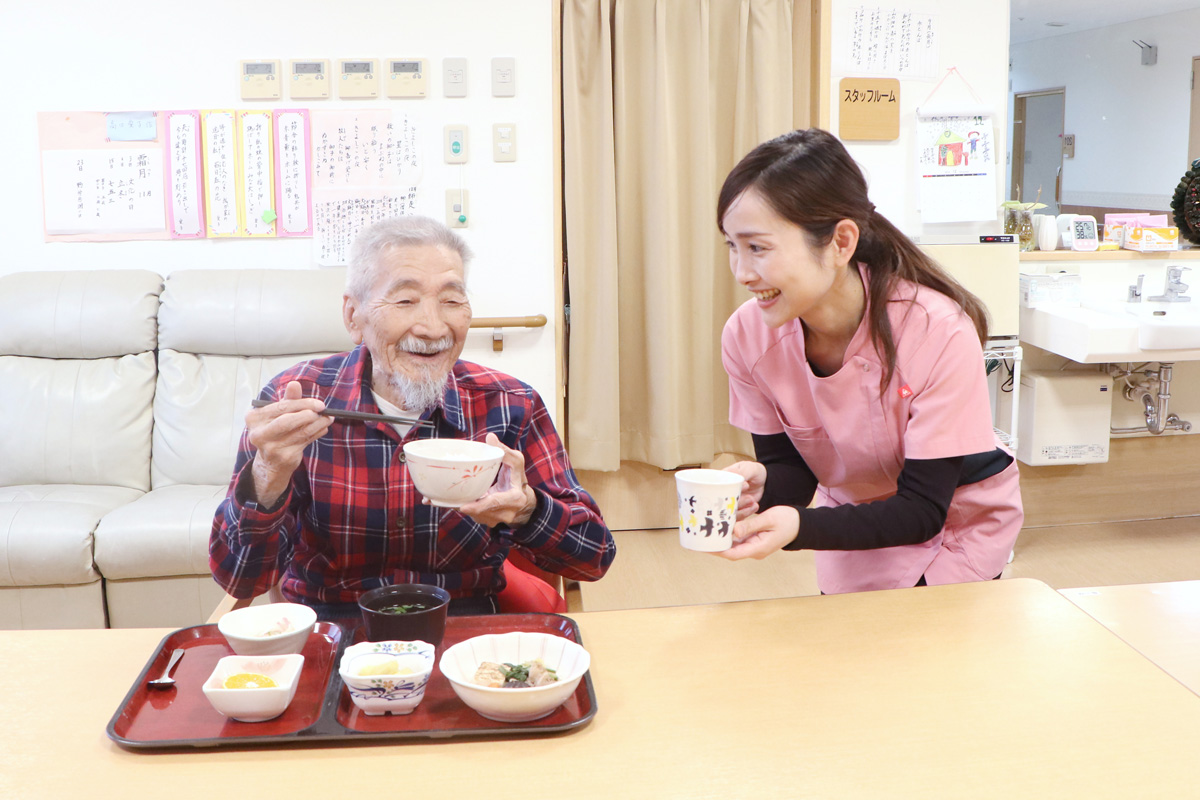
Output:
(996, 689)
(1159, 620)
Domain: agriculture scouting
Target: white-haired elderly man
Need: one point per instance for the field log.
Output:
(325, 507)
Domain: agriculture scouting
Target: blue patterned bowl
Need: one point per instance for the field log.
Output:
(396, 674)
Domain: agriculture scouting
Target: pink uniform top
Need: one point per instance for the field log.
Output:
(855, 440)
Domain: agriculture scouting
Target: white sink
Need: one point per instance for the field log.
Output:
(1166, 326)
(1102, 332)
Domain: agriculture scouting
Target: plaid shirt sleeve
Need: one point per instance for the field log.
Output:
(250, 547)
(566, 534)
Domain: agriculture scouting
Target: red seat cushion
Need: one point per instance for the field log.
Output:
(526, 593)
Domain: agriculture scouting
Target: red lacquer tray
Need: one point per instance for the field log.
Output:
(322, 709)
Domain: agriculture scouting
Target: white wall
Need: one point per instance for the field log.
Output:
(1130, 121)
(973, 37)
(151, 55)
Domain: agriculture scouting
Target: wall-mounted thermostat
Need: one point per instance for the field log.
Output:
(260, 80)
(504, 77)
(454, 77)
(309, 79)
(406, 77)
(456, 144)
(358, 78)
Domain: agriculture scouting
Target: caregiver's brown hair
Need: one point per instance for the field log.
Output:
(809, 179)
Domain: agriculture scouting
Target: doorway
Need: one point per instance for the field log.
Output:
(1037, 148)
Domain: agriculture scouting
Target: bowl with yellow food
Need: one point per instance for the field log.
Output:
(254, 688)
(387, 677)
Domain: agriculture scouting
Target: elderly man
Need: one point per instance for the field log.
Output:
(328, 506)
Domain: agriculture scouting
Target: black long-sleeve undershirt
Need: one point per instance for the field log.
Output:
(915, 514)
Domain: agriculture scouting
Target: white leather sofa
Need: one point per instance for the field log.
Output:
(124, 395)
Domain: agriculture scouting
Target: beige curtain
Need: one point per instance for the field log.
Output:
(660, 99)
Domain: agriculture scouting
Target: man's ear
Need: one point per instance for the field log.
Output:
(350, 314)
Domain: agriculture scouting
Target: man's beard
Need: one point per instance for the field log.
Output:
(426, 391)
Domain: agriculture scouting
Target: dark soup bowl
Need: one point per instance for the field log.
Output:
(406, 612)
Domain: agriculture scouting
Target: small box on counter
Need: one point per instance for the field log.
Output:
(1151, 240)
(1057, 288)
(1117, 225)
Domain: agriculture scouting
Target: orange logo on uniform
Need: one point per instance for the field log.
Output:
(905, 392)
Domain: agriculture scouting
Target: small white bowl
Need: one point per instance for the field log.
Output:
(382, 694)
(254, 705)
(249, 630)
(451, 472)
(567, 658)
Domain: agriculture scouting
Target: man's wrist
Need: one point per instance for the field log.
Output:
(531, 503)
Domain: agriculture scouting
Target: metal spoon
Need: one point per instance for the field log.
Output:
(166, 680)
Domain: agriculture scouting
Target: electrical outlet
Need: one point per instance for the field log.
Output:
(504, 141)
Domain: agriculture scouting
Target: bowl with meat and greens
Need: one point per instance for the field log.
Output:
(515, 677)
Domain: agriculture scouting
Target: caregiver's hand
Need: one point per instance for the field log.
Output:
(763, 534)
(754, 477)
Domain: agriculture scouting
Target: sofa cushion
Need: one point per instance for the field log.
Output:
(77, 421)
(79, 313)
(47, 543)
(254, 312)
(200, 410)
(162, 533)
(105, 498)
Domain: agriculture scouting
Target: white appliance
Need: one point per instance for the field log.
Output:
(1064, 417)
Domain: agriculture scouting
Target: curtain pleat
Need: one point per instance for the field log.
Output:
(660, 100)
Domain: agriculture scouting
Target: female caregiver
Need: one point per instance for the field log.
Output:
(858, 369)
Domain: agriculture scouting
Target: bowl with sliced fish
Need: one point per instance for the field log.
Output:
(269, 629)
(518, 676)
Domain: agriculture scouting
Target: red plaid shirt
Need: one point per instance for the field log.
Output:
(351, 521)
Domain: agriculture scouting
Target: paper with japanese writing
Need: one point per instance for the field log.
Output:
(185, 197)
(886, 42)
(956, 169)
(256, 178)
(103, 191)
(365, 167)
(293, 177)
(219, 137)
(339, 214)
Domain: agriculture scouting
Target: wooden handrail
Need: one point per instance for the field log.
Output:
(497, 324)
(536, 321)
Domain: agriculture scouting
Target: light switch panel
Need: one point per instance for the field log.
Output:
(309, 79)
(456, 144)
(504, 141)
(454, 77)
(504, 77)
(456, 208)
(260, 80)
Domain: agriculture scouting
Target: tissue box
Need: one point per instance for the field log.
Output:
(1151, 240)
(1058, 289)
(1117, 225)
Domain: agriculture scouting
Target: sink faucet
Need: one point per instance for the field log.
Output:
(1135, 290)
(1175, 288)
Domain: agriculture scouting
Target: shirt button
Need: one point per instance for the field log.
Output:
(866, 367)
(400, 523)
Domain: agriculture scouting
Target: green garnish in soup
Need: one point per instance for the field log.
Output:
(404, 608)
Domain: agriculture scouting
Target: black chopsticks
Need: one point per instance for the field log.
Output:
(366, 416)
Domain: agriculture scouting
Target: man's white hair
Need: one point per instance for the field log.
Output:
(403, 231)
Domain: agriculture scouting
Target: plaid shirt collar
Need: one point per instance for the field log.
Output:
(352, 389)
